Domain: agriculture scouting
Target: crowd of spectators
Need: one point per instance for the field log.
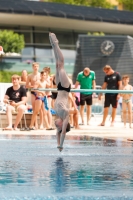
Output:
(42, 102)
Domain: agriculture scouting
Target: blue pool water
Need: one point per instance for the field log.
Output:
(31, 168)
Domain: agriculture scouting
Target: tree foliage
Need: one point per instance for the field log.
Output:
(128, 4)
(94, 3)
(96, 33)
(5, 76)
(11, 42)
(100, 3)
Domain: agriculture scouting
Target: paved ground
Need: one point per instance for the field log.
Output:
(116, 132)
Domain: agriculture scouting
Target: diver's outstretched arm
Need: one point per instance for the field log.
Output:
(58, 137)
(63, 133)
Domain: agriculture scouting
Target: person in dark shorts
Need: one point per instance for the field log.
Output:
(112, 81)
(15, 98)
(31, 83)
(54, 95)
(86, 80)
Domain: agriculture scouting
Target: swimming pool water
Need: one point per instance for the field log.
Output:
(31, 167)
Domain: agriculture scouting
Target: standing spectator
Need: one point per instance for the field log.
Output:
(23, 80)
(31, 83)
(41, 103)
(112, 81)
(120, 103)
(71, 105)
(74, 116)
(49, 94)
(86, 80)
(23, 77)
(126, 101)
(15, 98)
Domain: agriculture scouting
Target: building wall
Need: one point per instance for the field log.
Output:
(38, 48)
(92, 52)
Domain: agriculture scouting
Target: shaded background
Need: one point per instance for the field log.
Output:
(88, 54)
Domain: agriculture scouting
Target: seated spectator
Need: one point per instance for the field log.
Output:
(15, 98)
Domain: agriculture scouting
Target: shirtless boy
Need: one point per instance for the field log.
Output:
(31, 83)
(41, 102)
(126, 101)
(49, 94)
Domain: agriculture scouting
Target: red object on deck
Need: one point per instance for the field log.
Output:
(1, 48)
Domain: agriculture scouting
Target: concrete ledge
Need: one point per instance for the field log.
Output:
(118, 132)
(3, 119)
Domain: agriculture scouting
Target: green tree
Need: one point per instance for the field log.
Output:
(96, 33)
(11, 42)
(75, 2)
(93, 3)
(100, 3)
(128, 4)
(5, 76)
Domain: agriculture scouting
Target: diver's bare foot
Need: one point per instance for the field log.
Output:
(53, 39)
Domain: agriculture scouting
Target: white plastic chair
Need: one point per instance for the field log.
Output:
(2, 110)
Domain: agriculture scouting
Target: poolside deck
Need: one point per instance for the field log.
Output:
(92, 130)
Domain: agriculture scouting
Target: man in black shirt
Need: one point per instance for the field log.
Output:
(112, 81)
(15, 98)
